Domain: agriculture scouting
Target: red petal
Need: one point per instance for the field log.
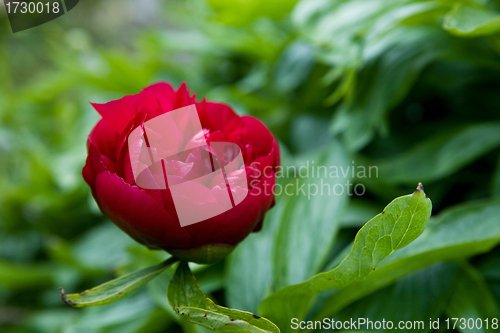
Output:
(132, 209)
(91, 168)
(118, 113)
(104, 138)
(182, 97)
(265, 164)
(259, 136)
(162, 89)
(138, 214)
(157, 97)
(215, 116)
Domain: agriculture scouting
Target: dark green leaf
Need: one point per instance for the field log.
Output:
(415, 298)
(250, 267)
(472, 299)
(376, 50)
(441, 155)
(495, 186)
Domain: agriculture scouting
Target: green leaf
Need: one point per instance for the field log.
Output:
(269, 260)
(471, 21)
(489, 265)
(309, 131)
(454, 234)
(187, 300)
(495, 186)
(357, 213)
(116, 289)
(376, 49)
(443, 154)
(472, 299)
(102, 247)
(417, 297)
(293, 67)
(129, 315)
(244, 12)
(400, 223)
(312, 221)
(250, 268)
(20, 276)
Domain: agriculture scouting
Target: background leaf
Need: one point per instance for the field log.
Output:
(415, 298)
(472, 300)
(468, 20)
(443, 154)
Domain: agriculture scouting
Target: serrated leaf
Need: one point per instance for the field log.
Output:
(400, 223)
(187, 300)
(116, 289)
(454, 234)
(471, 21)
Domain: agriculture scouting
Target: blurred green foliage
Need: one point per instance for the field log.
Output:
(409, 86)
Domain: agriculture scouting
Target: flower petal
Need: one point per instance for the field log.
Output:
(215, 116)
(138, 214)
(104, 137)
(259, 136)
(131, 209)
(118, 113)
(157, 97)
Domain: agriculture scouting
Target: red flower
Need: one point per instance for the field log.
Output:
(149, 215)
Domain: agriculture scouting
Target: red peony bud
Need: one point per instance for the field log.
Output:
(171, 180)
